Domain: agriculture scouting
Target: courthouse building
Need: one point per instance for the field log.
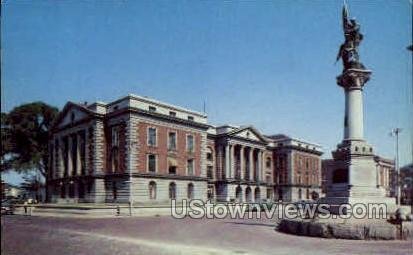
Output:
(140, 150)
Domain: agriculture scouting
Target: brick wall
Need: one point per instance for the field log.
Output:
(161, 149)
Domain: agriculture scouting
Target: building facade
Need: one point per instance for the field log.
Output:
(142, 151)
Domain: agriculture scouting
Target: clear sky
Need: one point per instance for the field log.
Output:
(264, 63)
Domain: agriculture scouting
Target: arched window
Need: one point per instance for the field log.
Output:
(257, 195)
(152, 190)
(238, 194)
(248, 195)
(172, 190)
(190, 191)
(300, 194)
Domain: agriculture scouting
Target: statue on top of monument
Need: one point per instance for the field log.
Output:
(348, 50)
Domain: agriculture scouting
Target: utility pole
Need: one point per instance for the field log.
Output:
(395, 132)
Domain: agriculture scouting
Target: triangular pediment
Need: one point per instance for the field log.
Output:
(248, 133)
(71, 113)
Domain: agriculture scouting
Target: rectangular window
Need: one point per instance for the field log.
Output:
(115, 136)
(173, 114)
(152, 108)
(190, 167)
(152, 163)
(172, 141)
(191, 118)
(210, 173)
(190, 143)
(152, 136)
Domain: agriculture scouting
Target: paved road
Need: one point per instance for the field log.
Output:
(164, 235)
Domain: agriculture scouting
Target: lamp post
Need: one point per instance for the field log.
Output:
(395, 132)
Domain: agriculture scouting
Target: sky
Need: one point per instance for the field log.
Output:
(270, 64)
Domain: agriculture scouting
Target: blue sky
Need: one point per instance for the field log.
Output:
(264, 63)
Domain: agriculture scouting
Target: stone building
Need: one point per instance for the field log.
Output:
(143, 151)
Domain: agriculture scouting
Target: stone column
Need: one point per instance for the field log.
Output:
(227, 162)
(78, 161)
(353, 123)
(260, 164)
(251, 161)
(59, 158)
(232, 161)
(219, 163)
(69, 156)
(241, 159)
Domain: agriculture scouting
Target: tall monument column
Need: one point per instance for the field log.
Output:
(353, 177)
(353, 120)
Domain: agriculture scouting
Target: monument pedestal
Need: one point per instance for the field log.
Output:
(354, 178)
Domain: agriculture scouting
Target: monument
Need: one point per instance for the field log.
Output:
(353, 177)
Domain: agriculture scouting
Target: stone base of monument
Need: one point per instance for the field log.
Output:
(358, 229)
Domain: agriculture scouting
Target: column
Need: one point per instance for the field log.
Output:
(79, 162)
(241, 151)
(69, 156)
(260, 163)
(232, 161)
(59, 158)
(353, 123)
(227, 162)
(219, 163)
(251, 161)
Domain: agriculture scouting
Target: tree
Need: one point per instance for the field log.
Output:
(24, 135)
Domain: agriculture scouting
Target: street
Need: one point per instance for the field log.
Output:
(164, 235)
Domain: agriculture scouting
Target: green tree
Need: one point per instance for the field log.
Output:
(24, 135)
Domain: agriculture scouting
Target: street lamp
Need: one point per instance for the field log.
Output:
(395, 132)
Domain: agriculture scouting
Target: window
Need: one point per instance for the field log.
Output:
(114, 191)
(191, 118)
(209, 156)
(115, 136)
(190, 167)
(173, 114)
(172, 141)
(172, 165)
(152, 163)
(172, 190)
(115, 159)
(152, 108)
(190, 143)
(210, 172)
(268, 163)
(152, 136)
(190, 191)
(81, 189)
(152, 190)
(63, 191)
(71, 190)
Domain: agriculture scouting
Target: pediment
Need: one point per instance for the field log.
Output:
(71, 113)
(249, 133)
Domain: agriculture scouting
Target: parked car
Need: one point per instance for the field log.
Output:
(7, 207)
